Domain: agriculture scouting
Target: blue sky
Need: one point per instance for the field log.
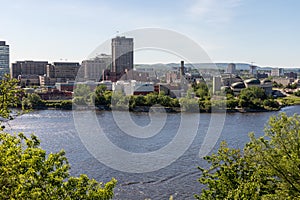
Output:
(265, 32)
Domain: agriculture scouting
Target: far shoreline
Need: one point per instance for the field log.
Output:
(145, 109)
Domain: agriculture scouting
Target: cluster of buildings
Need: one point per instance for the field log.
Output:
(117, 73)
(263, 78)
(101, 68)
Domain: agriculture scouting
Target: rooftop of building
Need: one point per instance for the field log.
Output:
(266, 81)
(3, 43)
(238, 85)
(252, 81)
(66, 63)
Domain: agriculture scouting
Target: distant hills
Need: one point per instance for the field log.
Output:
(239, 66)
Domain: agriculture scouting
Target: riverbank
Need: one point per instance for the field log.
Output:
(214, 106)
(70, 106)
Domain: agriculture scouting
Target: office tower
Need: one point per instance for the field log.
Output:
(93, 68)
(122, 55)
(4, 58)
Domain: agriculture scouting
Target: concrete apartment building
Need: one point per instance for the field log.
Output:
(93, 68)
(231, 68)
(28, 68)
(4, 58)
(62, 71)
(217, 84)
(277, 72)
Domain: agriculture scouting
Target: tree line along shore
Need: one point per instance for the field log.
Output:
(197, 99)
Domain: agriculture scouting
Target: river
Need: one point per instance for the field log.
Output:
(57, 131)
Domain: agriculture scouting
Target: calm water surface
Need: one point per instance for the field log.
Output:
(57, 131)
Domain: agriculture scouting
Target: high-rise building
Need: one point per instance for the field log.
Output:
(277, 72)
(93, 68)
(4, 58)
(231, 68)
(217, 84)
(122, 55)
(253, 70)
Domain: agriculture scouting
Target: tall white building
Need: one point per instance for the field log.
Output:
(217, 83)
(231, 68)
(93, 68)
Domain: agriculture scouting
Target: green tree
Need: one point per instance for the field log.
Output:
(66, 104)
(100, 95)
(267, 168)
(205, 105)
(120, 101)
(252, 97)
(32, 101)
(82, 95)
(27, 172)
(151, 99)
(278, 152)
(166, 101)
(231, 103)
(9, 95)
(297, 93)
(277, 85)
(139, 100)
(201, 90)
(189, 104)
(271, 104)
(292, 86)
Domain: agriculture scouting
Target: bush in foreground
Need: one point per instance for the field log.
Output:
(27, 172)
(267, 168)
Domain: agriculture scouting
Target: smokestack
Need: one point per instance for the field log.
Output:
(182, 68)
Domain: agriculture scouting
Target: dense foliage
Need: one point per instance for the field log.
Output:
(27, 172)
(201, 90)
(32, 101)
(297, 93)
(252, 97)
(9, 96)
(267, 168)
(118, 100)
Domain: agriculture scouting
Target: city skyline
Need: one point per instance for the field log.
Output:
(229, 31)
